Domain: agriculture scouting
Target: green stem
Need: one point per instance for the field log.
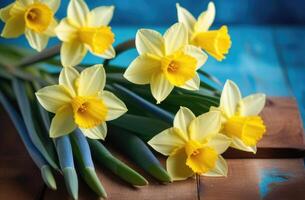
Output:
(120, 48)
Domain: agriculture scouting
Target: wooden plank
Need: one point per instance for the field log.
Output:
(290, 45)
(20, 179)
(255, 179)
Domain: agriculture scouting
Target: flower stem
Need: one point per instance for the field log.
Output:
(120, 48)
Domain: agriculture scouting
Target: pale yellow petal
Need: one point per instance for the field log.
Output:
(108, 54)
(240, 145)
(160, 87)
(230, 97)
(183, 118)
(72, 53)
(51, 29)
(68, 77)
(92, 80)
(205, 125)
(98, 132)
(53, 97)
(14, 27)
(206, 19)
(176, 167)
(100, 16)
(141, 69)
(115, 107)
(168, 141)
(63, 122)
(252, 105)
(219, 142)
(36, 40)
(197, 53)
(192, 84)
(53, 4)
(5, 12)
(150, 41)
(221, 169)
(186, 18)
(65, 31)
(175, 38)
(77, 12)
(26, 2)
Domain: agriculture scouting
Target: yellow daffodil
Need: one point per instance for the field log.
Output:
(34, 18)
(215, 42)
(85, 30)
(193, 145)
(79, 101)
(165, 61)
(240, 119)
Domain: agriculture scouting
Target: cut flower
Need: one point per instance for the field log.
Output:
(193, 145)
(34, 18)
(166, 61)
(215, 42)
(241, 120)
(80, 101)
(85, 30)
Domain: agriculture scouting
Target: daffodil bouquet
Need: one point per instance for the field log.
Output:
(160, 100)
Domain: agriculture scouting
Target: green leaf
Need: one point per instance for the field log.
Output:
(105, 158)
(44, 146)
(138, 152)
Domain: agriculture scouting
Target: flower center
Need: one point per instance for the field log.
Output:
(98, 39)
(179, 68)
(217, 42)
(38, 17)
(249, 129)
(200, 158)
(88, 111)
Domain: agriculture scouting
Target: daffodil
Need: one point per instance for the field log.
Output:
(80, 101)
(165, 61)
(241, 120)
(34, 18)
(193, 145)
(85, 30)
(215, 42)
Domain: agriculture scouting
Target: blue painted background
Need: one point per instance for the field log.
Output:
(268, 39)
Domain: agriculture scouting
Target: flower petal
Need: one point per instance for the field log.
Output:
(197, 53)
(183, 118)
(206, 19)
(176, 167)
(14, 27)
(68, 77)
(192, 84)
(53, 97)
(100, 16)
(204, 125)
(51, 29)
(160, 87)
(150, 41)
(141, 69)
(252, 105)
(72, 53)
(65, 31)
(219, 142)
(239, 144)
(221, 168)
(53, 4)
(63, 122)
(98, 132)
(37, 41)
(5, 12)
(175, 38)
(92, 80)
(230, 97)
(108, 54)
(77, 12)
(115, 106)
(186, 18)
(26, 2)
(168, 141)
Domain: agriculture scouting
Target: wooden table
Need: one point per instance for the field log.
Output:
(275, 173)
